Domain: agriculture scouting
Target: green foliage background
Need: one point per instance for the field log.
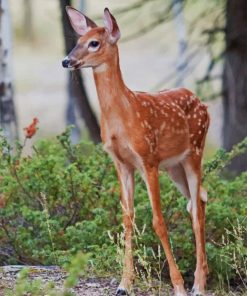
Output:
(65, 198)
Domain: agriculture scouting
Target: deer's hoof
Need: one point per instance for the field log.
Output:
(179, 291)
(196, 292)
(121, 292)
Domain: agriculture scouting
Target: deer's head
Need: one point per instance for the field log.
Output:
(96, 44)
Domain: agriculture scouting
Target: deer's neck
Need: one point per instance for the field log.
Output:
(112, 92)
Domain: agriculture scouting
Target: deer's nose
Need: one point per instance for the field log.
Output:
(66, 62)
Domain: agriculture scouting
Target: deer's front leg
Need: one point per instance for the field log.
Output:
(126, 179)
(152, 181)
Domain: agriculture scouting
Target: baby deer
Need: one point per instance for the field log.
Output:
(146, 131)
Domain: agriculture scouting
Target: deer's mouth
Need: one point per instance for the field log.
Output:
(77, 66)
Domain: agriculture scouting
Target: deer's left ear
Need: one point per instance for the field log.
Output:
(112, 26)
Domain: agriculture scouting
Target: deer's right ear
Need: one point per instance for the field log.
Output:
(112, 26)
(80, 23)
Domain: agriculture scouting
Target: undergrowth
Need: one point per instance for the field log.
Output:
(26, 286)
(64, 199)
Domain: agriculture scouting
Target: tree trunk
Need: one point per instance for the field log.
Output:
(28, 20)
(182, 43)
(7, 112)
(235, 80)
(76, 89)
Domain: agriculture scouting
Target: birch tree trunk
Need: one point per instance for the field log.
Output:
(7, 111)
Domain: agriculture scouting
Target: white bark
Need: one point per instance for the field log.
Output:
(7, 112)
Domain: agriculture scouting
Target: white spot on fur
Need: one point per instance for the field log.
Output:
(164, 113)
(146, 123)
(198, 151)
(147, 139)
(163, 126)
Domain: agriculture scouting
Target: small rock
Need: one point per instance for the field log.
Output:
(113, 281)
(92, 285)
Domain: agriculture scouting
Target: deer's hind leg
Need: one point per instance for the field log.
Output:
(178, 176)
(192, 168)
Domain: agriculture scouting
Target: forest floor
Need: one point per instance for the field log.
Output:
(93, 286)
(85, 287)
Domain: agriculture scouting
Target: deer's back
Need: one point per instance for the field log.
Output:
(177, 121)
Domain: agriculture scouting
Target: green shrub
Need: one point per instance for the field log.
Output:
(26, 286)
(65, 198)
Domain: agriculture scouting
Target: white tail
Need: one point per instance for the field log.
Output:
(146, 132)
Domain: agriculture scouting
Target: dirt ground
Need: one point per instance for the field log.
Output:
(91, 286)
(86, 287)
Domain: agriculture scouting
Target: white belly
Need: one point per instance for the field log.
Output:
(170, 162)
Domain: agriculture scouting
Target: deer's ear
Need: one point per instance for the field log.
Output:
(112, 26)
(80, 23)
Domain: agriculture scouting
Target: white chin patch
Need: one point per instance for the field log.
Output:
(101, 68)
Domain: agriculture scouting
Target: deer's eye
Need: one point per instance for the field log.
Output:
(93, 44)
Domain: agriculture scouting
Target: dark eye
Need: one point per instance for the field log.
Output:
(94, 44)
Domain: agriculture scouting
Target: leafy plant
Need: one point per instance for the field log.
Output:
(64, 198)
(26, 286)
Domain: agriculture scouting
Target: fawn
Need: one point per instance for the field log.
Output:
(146, 131)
